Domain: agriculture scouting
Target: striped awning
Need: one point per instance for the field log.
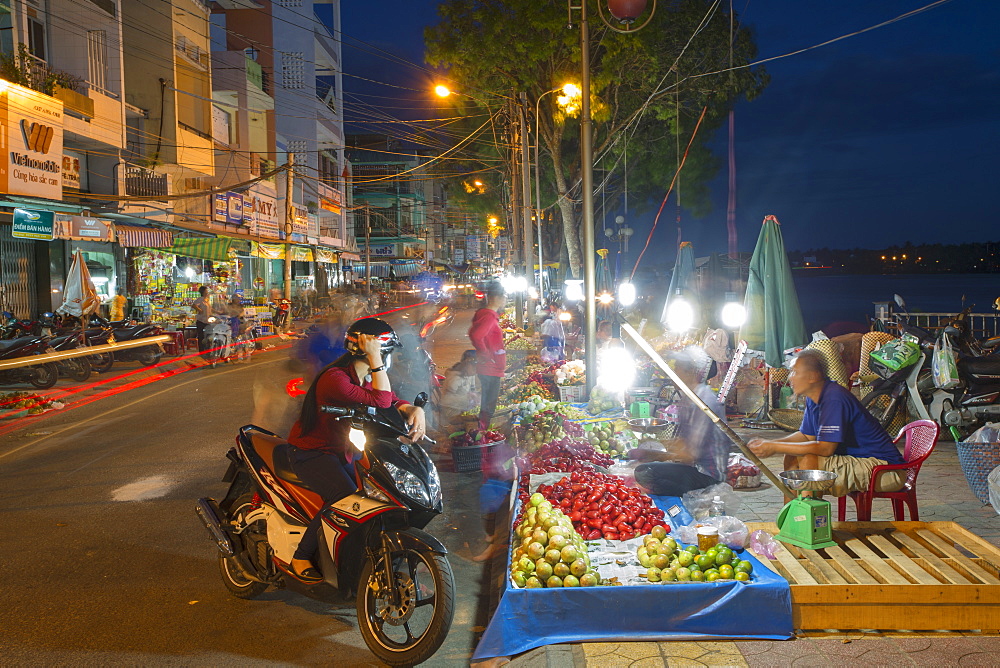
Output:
(405, 268)
(133, 236)
(380, 269)
(217, 249)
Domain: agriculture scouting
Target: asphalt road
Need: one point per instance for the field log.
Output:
(104, 561)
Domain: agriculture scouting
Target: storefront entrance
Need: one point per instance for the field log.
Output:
(17, 275)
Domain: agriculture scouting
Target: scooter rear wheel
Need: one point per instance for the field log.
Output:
(886, 408)
(102, 362)
(233, 576)
(44, 376)
(148, 356)
(78, 369)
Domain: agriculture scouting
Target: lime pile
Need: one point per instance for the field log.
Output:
(551, 553)
(666, 561)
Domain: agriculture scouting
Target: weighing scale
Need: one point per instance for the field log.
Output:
(640, 406)
(805, 521)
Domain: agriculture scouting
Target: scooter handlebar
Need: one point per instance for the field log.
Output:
(338, 411)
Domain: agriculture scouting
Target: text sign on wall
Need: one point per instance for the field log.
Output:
(29, 224)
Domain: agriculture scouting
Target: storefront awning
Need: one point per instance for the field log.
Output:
(326, 256)
(380, 269)
(405, 268)
(350, 256)
(133, 236)
(217, 249)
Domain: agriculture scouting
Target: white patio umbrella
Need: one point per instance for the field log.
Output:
(80, 296)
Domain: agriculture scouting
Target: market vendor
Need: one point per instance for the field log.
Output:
(837, 433)
(696, 457)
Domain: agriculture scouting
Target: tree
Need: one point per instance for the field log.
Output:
(648, 89)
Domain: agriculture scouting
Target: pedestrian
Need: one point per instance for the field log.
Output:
(458, 390)
(203, 311)
(491, 358)
(553, 340)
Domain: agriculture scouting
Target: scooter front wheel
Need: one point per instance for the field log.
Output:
(411, 630)
(44, 376)
(886, 408)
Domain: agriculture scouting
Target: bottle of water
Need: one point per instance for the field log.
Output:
(718, 507)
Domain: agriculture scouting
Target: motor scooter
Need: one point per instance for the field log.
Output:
(43, 376)
(372, 543)
(216, 339)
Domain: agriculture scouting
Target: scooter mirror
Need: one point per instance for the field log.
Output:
(420, 400)
(899, 302)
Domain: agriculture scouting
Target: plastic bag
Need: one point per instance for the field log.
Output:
(988, 433)
(993, 482)
(551, 354)
(896, 354)
(943, 364)
(699, 501)
(741, 473)
(762, 543)
(733, 532)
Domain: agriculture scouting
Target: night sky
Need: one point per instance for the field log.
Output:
(877, 139)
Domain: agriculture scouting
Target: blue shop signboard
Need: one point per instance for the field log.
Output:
(31, 224)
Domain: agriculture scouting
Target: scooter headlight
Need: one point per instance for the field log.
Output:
(357, 438)
(434, 485)
(409, 484)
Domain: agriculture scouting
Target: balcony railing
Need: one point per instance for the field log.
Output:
(30, 71)
(143, 182)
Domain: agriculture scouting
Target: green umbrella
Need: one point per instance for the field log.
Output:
(682, 280)
(774, 320)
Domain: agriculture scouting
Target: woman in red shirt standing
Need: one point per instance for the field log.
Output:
(491, 357)
(323, 457)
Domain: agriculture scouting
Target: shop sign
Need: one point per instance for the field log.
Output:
(326, 255)
(300, 221)
(474, 246)
(301, 254)
(29, 224)
(31, 143)
(83, 228)
(330, 199)
(74, 170)
(384, 250)
(268, 251)
(228, 208)
(458, 255)
(260, 213)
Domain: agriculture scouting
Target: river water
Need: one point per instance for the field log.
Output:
(826, 299)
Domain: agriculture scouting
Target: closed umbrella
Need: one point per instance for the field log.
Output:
(682, 280)
(774, 320)
(80, 297)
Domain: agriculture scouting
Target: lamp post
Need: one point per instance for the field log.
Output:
(626, 12)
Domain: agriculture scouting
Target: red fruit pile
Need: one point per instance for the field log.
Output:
(601, 506)
(476, 437)
(559, 465)
(565, 448)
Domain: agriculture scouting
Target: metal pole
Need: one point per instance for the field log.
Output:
(719, 422)
(526, 195)
(289, 217)
(587, 149)
(538, 203)
(516, 229)
(368, 250)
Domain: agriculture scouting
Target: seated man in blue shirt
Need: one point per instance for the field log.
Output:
(837, 433)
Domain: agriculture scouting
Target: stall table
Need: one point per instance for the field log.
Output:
(530, 618)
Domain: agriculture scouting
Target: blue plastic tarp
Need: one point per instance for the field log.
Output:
(724, 610)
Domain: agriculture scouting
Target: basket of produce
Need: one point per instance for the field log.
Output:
(470, 449)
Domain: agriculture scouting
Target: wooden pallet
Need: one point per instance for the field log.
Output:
(917, 576)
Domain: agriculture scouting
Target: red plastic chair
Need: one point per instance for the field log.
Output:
(921, 437)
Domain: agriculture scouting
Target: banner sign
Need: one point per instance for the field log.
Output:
(260, 213)
(269, 251)
(74, 170)
(384, 250)
(83, 228)
(31, 143)
(229, 208)
(29, 224)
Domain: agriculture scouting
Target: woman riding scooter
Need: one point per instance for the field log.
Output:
(323, 457)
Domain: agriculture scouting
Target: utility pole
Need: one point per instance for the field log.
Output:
(289, 216)
(526, 197)
(515, 206)
(368, 250)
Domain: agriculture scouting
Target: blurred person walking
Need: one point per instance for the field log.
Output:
(491, 358)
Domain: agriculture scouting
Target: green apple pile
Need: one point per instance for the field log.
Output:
(666, 561)
(551, 553)
(535, 404)
(545, 426)
(604, 439)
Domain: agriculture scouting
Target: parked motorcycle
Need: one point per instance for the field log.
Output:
(110, 332)
(372, 543)
(77, 368)
(973, 402)
(43, 376)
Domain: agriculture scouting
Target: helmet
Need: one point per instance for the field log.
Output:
(375, 327)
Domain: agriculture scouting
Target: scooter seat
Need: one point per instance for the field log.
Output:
(128, 333)
(985, 366)
(990, 343)
(12, 344)
(283, 465)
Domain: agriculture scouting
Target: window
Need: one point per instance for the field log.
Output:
(290, 3)
(298, 147)
(293, 70)
(36, 38)
(97, 56)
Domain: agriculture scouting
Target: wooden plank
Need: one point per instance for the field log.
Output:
(849, 567)
(943, 569)
(872, 560)
(941, 543)
(969, 540)
(829, 572)
(799, 574)
(900, 560)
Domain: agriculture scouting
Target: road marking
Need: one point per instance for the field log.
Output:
(77, 425)
(144, 490)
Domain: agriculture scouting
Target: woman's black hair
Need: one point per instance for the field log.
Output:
(310, 411)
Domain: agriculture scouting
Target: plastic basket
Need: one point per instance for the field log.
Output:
(978, 460)
(470, 458)
(572, 393)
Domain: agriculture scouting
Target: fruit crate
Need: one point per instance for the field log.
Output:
(916, 576)
(573, 394)
(470, 458)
